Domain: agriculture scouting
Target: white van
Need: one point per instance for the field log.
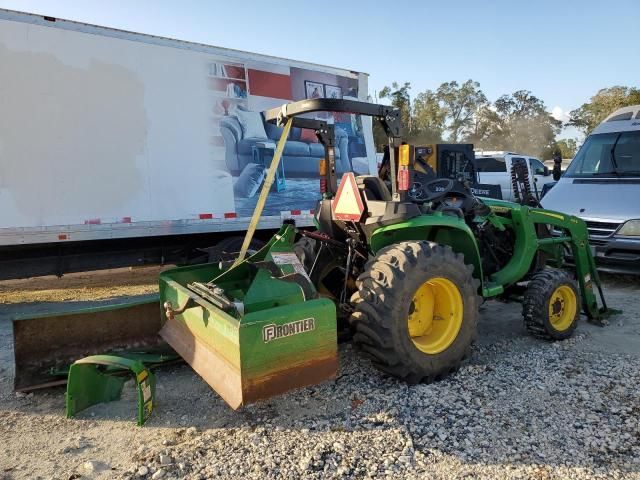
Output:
(495, 168)
(602, 186)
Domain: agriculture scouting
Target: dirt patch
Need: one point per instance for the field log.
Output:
(87, 286)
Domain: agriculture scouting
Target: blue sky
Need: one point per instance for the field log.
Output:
(562, 50)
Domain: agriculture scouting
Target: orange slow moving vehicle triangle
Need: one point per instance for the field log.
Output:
(348, 203)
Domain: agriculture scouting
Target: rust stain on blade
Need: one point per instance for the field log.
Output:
(235, 387)
(216, 371)
(304, 375)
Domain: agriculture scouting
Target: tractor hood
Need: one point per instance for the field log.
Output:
(607, 199)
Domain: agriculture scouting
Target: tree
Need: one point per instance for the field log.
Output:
(520, 104)
(523, 125)
(487, 126)
(606, 101)
(517, 122)
(428, 119)
(424, 119)
(567, 147)
(460, 103)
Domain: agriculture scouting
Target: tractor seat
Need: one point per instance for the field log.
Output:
(374, 188)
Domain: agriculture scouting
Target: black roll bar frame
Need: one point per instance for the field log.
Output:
(388, 117)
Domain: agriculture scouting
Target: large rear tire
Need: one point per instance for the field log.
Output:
(416, 310)
(551, 305)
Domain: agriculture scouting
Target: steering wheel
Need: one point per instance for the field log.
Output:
(445, 184)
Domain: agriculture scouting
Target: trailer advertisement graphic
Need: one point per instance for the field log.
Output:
(110, 134)
(240, 93)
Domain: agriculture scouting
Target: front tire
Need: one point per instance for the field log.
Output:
(551, 305)
(416, 310)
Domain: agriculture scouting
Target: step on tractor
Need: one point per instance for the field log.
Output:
(402, 275)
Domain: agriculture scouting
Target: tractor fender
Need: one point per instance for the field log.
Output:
(445, 230)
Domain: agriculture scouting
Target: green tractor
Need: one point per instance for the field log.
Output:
(404, 275)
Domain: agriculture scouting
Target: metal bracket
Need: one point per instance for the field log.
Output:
(170, 312)
(100, 378)
(214, 294)
(301, 280)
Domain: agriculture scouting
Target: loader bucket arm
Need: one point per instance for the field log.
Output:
(575, 235)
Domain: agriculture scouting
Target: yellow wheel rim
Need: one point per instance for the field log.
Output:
(563, 305)
(435, 315)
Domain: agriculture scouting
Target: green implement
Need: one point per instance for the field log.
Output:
(46, 344)
(100, 378)
(255, 330)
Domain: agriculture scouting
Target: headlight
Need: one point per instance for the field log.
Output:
(630, 228)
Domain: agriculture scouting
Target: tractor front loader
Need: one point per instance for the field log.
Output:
(403, 275)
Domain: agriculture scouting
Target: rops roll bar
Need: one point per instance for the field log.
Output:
(387, 116)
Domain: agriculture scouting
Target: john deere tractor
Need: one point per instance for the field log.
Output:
(404, 275)
(409, 270)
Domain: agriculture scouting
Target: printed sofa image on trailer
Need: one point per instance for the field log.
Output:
(250, 141)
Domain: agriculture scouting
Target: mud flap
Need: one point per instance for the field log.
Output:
(100, 378)
(46, 343)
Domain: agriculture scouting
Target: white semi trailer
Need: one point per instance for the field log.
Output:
(118, 148)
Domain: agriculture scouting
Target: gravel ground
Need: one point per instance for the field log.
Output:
(520, 408)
